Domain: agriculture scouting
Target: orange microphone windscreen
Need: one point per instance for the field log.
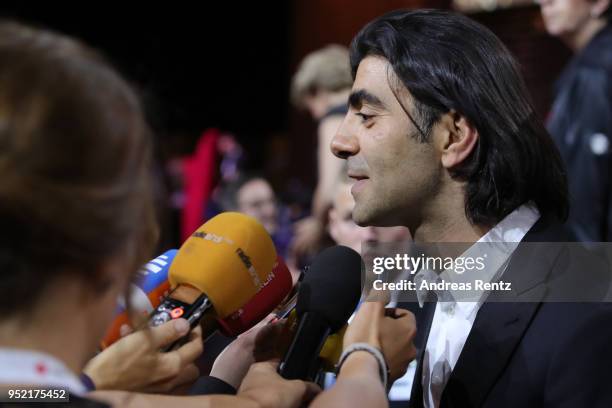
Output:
(229, 258)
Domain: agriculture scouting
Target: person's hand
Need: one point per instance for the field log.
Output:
(266, 388)
(234, 361)
(135, 362)
(365, 326)
(274, 339)
(308, 235)
(268, 340)
(390, 330)
(398, 329)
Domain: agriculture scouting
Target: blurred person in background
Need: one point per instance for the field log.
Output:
(252, 194)
(581, 117)
(321, 85)
(76, 209)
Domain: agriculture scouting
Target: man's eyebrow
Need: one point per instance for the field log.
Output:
(361, 96)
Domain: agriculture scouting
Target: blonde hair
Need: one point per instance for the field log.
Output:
(325, 69)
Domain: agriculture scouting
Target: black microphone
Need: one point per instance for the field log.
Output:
(327, 297)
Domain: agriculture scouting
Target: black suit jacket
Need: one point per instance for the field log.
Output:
(537, 353)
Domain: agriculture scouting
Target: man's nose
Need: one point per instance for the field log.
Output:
(343, 144)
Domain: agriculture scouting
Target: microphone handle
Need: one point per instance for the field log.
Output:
(301, 359)
(171, 309)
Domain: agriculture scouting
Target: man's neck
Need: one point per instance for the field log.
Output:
(579, 39)
(445, 220)
(450, 230)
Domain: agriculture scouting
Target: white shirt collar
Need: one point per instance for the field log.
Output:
(25, 367)
(499, 244)
(514, 227)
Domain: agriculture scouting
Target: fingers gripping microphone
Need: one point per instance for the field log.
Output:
(150, 287)
(218, 269)
(327, 297)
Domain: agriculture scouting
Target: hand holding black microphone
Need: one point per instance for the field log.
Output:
(327, 297)
(377, 344)
(377, 349)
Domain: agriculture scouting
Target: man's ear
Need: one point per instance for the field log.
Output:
(457, 139)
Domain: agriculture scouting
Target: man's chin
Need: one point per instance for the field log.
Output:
(360, 220)
(373, 218)
(362, 217)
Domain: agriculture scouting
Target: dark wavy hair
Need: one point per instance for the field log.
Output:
(449, 62)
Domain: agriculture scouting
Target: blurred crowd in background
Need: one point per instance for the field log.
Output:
(246, 125)
(243, 103)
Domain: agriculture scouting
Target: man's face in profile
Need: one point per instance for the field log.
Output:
(395, 174)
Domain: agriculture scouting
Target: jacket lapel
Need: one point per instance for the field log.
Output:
(501, 322)
(423, 319)
(497, 330)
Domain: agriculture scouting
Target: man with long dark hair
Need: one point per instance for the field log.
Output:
(441, 136)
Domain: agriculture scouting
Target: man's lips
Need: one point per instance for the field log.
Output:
(360, 182)
(357, 176)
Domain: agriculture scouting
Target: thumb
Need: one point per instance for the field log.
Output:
(371, 308)
(163, 335)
